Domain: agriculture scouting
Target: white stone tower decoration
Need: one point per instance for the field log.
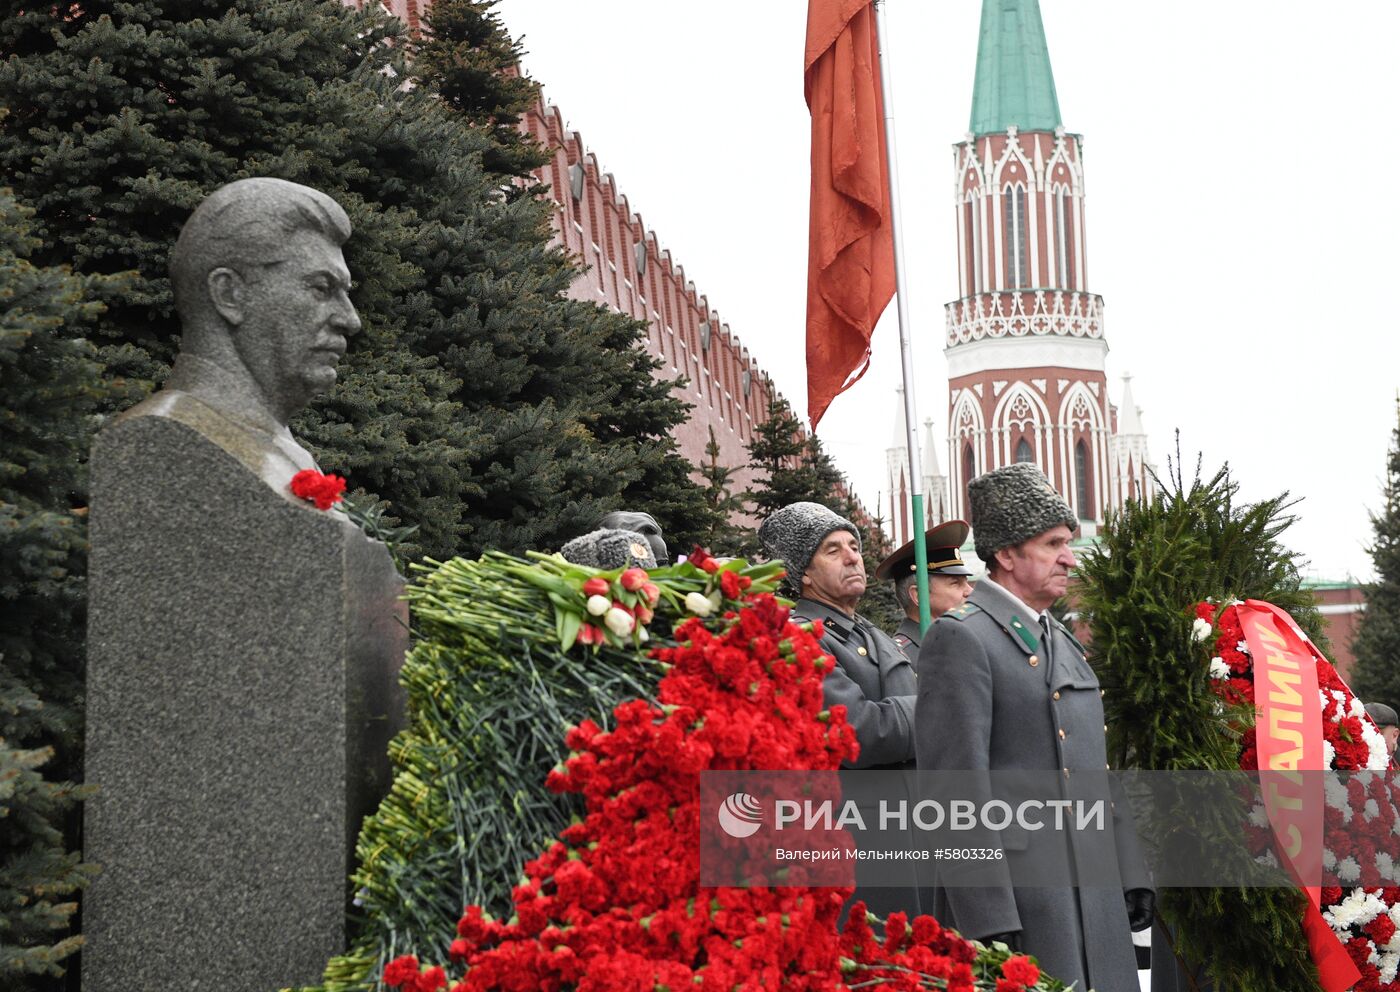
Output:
(895, 506)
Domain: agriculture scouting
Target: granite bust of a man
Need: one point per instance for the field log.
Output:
(243, 645)
(261, 288)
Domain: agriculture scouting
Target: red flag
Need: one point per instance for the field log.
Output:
(850, 258)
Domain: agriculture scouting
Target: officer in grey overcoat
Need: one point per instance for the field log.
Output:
(948, 580)
(1004, 686)
(872, 678)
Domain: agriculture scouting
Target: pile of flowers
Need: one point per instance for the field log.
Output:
(615, 904)
(1360, 818)
(595, 608)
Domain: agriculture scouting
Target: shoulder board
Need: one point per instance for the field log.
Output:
(961, 613)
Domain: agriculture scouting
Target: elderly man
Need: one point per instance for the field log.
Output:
(1386, 721)
(1004, 686)
(948, 583)
(871, 678)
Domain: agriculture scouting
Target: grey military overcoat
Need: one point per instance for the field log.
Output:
(982, 704)
(874, 680)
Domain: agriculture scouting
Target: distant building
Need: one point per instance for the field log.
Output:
(1341, 605)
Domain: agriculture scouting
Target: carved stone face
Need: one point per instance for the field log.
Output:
(644, 524)
(297, 316)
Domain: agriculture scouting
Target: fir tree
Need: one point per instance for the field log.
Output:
(1155, 561)
(1376, 676)
(722, 505)
(482, 404)
(50, 382)
(793, 466)
(468, 59)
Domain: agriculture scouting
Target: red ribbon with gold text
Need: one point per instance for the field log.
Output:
(1288, 730)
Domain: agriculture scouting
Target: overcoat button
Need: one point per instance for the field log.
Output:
(861, 652)
(1108, 768)
(1105, 728)
(1033, 661)
(1101, 692)
(1062, 733)
(1066, 773)
(1056, 696)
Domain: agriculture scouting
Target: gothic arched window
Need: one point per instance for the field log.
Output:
(972, 220)
(969, 470)
(1064, 242)
(1017, 262)
(1083, 480)
(1023, 451)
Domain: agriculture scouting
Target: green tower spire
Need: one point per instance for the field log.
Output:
(1014, 83)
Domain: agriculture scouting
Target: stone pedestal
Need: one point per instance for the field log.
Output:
(242, 686)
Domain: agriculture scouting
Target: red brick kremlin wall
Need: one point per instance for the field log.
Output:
(630, 271)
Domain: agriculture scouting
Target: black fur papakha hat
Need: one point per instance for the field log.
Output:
(1013, 504)
(796, 531)
(609, 549)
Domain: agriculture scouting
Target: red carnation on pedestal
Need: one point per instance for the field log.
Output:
(323, 489)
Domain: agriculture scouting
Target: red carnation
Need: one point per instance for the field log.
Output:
(1381, 929)
(400, 971)
(323, 489)
(431, 980)
(729, 585)
(1020, 968)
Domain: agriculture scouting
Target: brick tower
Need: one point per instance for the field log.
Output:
(1025, 338)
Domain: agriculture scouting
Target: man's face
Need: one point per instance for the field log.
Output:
(1391, 735)
(836, 573)
(296, 318)
(1037, 570)
(947, 592)
(644, 524)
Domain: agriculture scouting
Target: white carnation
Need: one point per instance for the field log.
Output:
(1356, 910)
(1372, 809)
(1336, 794)
(1218, 669)
(1385, 865)
(1242, 647)
(1358, 708)
(1378, 754)
(1388, 965)
(1329, 860)
(1349, 871)
(1200, 629)
(1329, 754)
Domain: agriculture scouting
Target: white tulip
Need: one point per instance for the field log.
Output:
(598, 605)
(698, 603)
(620, 622)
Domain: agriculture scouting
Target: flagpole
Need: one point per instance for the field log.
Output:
(906, 356)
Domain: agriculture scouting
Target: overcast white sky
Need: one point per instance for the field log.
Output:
(1242, 215)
